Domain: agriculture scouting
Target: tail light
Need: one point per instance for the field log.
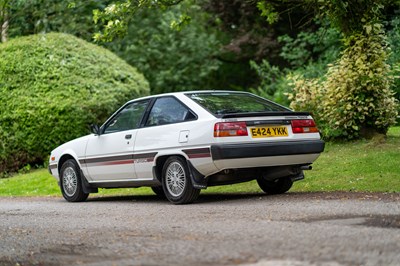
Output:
(230, 129)
(304, 126)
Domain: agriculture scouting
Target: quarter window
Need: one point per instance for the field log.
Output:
(168, 110)
(128, 118)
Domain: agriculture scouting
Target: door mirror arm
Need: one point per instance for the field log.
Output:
(95, 129)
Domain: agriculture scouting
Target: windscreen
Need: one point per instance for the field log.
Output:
(221, 103)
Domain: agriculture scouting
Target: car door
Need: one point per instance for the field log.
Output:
(165, 129)
(109, 156)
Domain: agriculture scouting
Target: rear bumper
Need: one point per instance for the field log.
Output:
(254, 150)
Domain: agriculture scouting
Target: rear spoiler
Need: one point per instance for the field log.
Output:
(258, 114)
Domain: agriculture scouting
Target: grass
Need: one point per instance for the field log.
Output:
(362, 166)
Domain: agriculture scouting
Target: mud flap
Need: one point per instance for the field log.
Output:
(198, 180)
(86, 187)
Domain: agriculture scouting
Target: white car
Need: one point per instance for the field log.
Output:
(179, 143)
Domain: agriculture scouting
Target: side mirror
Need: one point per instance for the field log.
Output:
(95, 129)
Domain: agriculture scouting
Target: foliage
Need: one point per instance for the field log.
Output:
(150, 44)
(115, 18)
(394, 58)
(355, 99)
(308, 54)
(51, 87)
(43, 16)
(321, 46)
(241, 33)
(273, 85)
(171, 60)
(355, 94)
(245, 36)
(309, 95)
(348, 16)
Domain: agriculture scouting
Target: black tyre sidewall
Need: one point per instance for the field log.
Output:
(159, 191)
(79, 195)
(190, 193)
(278, 186)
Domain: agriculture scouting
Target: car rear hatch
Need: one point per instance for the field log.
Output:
(265, 139)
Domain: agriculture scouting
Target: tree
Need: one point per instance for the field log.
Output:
(354, 98)
(308, 54)
(171, 60)
(242, 34)
(43, 16)
(115, 18)
(4, 19)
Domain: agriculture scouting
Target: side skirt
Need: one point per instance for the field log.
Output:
(125, 184)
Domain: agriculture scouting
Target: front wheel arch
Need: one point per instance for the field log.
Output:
(62, 160)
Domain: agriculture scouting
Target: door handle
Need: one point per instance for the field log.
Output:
(129, 136)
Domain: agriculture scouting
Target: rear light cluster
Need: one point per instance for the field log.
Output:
(230, 129)
(304, 126)
(235, 129)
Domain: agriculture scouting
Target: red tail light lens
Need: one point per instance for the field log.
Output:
(304, 126)
(230, 129)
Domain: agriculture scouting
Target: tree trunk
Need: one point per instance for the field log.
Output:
(4, 26)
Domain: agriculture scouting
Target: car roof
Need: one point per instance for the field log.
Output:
(185, 92)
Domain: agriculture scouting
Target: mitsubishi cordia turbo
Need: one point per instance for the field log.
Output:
(179, 143)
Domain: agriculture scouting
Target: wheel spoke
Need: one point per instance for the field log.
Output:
(175, 179)
(70, 181)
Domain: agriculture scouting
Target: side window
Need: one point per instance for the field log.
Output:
(168, 110)
(127, 118)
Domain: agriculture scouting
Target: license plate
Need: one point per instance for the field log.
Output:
(266, 132)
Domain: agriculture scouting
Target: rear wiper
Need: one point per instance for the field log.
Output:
(228, 111)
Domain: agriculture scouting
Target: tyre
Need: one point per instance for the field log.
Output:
(176, 181)
(159, 191)
(277, 186)
(71, 183)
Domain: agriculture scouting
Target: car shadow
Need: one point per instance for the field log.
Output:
(203, 198)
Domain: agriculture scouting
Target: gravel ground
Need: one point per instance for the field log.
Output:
(292, 229)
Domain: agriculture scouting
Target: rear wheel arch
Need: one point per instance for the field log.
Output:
(177, 181)
(159, 165)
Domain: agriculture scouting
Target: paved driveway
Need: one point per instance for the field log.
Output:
(291, 229)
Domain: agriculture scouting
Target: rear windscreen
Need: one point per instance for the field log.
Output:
(220, 103)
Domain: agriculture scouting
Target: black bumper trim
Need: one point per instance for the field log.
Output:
(51, 167)
(250, 150)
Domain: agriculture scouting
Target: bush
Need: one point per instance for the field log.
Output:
(394, 58)
(308, 53)
(356, 99)
(52, 87)
(273, 82)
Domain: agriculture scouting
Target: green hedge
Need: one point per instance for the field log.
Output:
(52, 86)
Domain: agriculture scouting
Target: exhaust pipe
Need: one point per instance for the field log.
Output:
(306, 167)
